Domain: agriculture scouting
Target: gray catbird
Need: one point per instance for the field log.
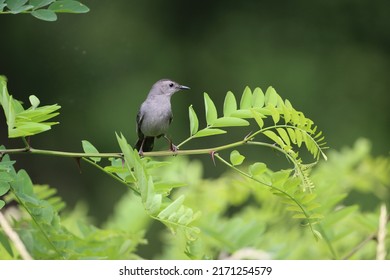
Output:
(155, 115)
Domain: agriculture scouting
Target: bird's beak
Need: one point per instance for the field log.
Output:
(184, 87)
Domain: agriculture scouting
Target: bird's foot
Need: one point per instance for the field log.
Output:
(173, 148)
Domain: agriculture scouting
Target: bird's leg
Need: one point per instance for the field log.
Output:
(141, 152)
(172, 147)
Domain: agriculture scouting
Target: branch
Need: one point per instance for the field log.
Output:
(14, 237)
(360, 245)
(30, 150)
(381, 237)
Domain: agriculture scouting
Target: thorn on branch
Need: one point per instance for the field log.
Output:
(248, 137)
(212, 154)
(78, 162)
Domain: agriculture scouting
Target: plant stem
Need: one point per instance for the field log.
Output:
(14, 237)
(31, 150)
(112, 175)
(359, 246)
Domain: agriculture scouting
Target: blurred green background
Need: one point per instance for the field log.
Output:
(331, 59)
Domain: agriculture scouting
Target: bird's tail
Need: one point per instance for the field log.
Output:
(147, 146)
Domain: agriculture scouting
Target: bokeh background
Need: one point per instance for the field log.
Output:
(330, 58)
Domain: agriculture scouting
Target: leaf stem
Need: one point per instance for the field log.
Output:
(111, 175)
(265, 184)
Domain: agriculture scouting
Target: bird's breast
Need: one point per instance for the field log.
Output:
(156, 119)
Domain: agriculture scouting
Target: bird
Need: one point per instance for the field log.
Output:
(155, 115)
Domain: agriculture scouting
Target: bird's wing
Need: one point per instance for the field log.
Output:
(139, 120)
(170, 118)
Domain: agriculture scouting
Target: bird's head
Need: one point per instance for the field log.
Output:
(167, 87)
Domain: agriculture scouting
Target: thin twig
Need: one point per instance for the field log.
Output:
(381, 234)
(359, 246)
(14, 237)
(381, 247)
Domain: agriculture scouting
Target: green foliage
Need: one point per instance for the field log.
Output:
(248, 222)
(25, 122)
(90, 149)
(172, 213)
(39, 226)
(236, 158)
(279, 122)
(249, 212)
(5, 177)
(42, 9)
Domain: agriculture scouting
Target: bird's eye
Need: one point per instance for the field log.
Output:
(171, 85)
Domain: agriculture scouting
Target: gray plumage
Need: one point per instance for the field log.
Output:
(155, 114)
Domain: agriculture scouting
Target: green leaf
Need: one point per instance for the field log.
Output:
(208, 132)
(275, 114)
(271, 97)
(151, 199)
(246, 99)
(298, 137)
(40, 3)
(194, 123)
(211, 111)
(4, 240)
(242, 113)
(68, 6)
(229, 105)
(299, 216)
(44, 14)
(2, 203)
(236, 158)
(308, 198)
(338, 215)
(166, 187)
(294, 208)
(230, 121)
(25, 122)
(4, 187)
(258, 118)
(258, 98)
(171, 208)
(317, 234)
(34, 101)
(286, 113)
(28, 128)
(283, 134)
(316, 216)
(272, 135)
(291, 133)
(90, 149)
(257, 168)
(15, 5)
